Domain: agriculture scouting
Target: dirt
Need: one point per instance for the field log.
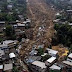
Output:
(62, 51)
(40, 14)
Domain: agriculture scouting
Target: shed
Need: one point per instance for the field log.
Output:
(1, 67)
(52, 52)
(8, 67)
(12, 55)
(50, 61)
(39, 64)
(55, 67)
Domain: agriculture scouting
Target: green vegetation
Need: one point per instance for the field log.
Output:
(44, 58)
(15, 69)
(60, 4)
(64, 34)
(1, 39)
(70, 49)
(40, 51)
(9, 32)
(19, 7)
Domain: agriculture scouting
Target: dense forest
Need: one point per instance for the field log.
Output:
(63, 35)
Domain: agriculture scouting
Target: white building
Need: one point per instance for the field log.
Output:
(1, 53)
(1, 68)
(38, 66)
(69, 57)
(7, 44)
(57, 14)
(52, 52)
(12, 55)
(50, 61)
(8, 67)
(55, 67)
(67, 63)
(10, 7)
(3, 46)
(8, 1)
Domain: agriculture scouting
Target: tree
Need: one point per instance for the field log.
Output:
(15, 69)
(44, 58)
(64, 34)
(9, 32)
(40, 51)
(70, 49)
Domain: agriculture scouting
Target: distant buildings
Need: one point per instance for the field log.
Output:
(69, 57)
(8, 1)
(22, 25)
(9, 7)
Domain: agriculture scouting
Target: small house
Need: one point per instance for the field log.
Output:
(1, 68)
(54, 68)
(69, 57)
(1, 53)
(50, 61)
(8, 67)
(9, 43)
(68, 65)
(12, 55)
(69, 12)
(52, 52)
(9, 7)
(33, 52)
(31, 59)
(38, 66)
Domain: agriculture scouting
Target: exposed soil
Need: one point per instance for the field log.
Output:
(41, 15)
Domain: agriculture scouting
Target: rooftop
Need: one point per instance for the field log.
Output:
(55, 67)
(70, 55)
(8, 42)
(67, 63)
(1, 66)
(39, 64)
(70, 24)
(51, 51)
(3, 45)
(19, 24)
(10, 6)
(69, 10)
(33, 52)
(3, 22)
(44, 54)
(33, 58)
(57, 14)
(11, 55)
(50, 60)
(1, 52)
(8, 67)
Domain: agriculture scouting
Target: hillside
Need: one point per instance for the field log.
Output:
(42, 29)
